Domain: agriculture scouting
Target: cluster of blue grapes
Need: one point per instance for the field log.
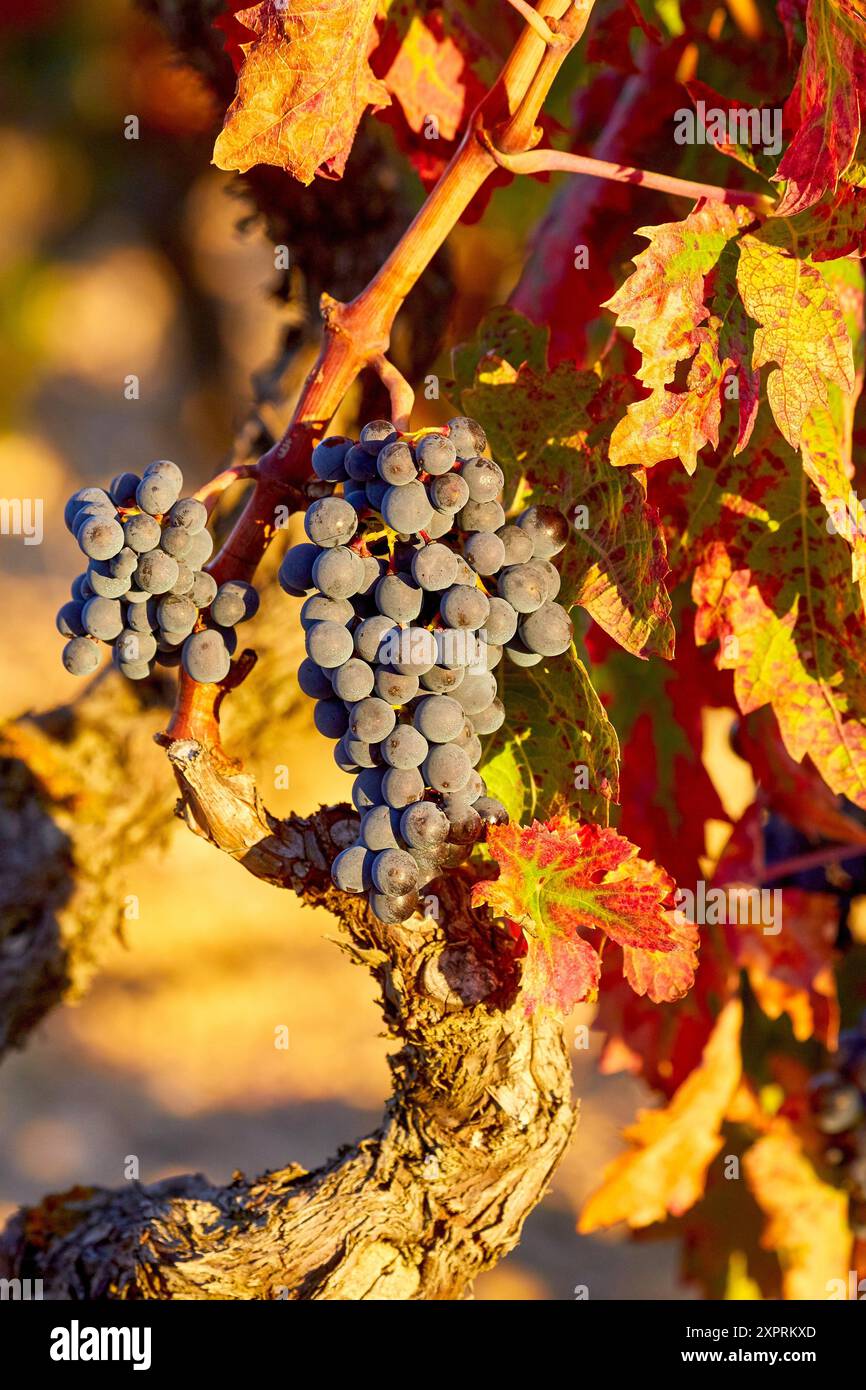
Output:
(144, 589)
(415, 587)
(838, 1101)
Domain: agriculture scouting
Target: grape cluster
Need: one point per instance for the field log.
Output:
(838, 1103)
(415, 587)
(144, 590)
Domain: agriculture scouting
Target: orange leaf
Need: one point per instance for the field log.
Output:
(303, 87)
(665, 1173)
(807, 1219)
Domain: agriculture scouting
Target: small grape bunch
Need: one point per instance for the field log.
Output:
(838, 1103)
(415, 586)
(144, 592)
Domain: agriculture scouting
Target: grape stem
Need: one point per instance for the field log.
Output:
(212, 491)
(552, 161)
(535, 21)
(400, 392)
(357, 334)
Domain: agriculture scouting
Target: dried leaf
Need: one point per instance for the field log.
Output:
(303, 87)
(665, 1172)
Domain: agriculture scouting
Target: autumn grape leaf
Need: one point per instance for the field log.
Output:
(834, 226)
(557, 750)
(792, 972)
(665, 1171)
(542, 431)
(807, 1219)
(303, 87)
(802, 329)
(563, 878)
(826, 104)
(428, 71)
(663, 301)
(773, 587)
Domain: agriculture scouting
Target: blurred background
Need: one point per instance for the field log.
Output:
(123, 257)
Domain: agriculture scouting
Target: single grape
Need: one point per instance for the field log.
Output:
(350, 869)
(434, 567)
(330, 718)
(465, 573)
(156, 495)
(80, 588)
(141, 617)
(488, 720)
(121, 489)
(206, 657)
(188, 514)
(374, 492)
(134, 646)
(406, 509)
(80, 656)
(436, 454)
(467, 436)
(330, 521)
(491, 811)
(156, 572)
(438, 526)
(394, 872)
(185, 582)
(202, 590)
(438, 718)
(379, 828)
(548, 630)
(402, 786)
(353, 680)
(313, 680)
(518, 545)
(464, 607)
(404, 747)
(484, 478)
(318, 608)
(442, 680)
(367, 788)
(446, 768)
(177, 614)
(141, 533)
(360, 466)
(135, 595)
(175, 541)
(101, 537)
(103, 582)
(200, 550)
(296, 570)
(371, 719)
(329, 644)
(168, 471)
(329, 458)
(547, 528)
(501, 623)
(448, 494)
(396, 464)
(370, 636)
(477, 692)
(523, 586)
(485, 552)
(132, 670)
(395, 688)
(69, 622)
(345, 762)
(423, 825)
(374, 569)
(375, 434)
(338, 572)
(398, 598)
(481, 516)
(393, 910)
(102, 618)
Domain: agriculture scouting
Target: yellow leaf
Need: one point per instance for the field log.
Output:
(666, 1170)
